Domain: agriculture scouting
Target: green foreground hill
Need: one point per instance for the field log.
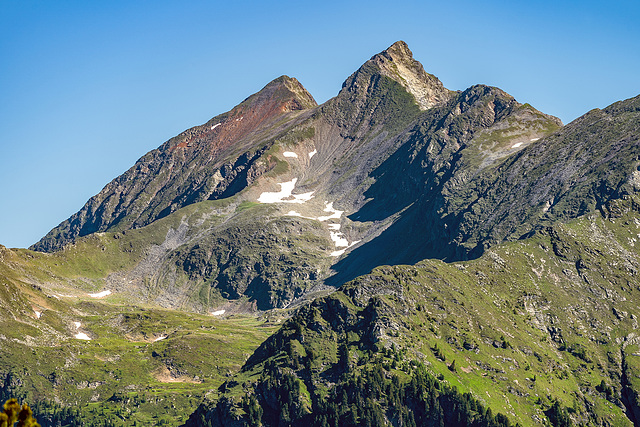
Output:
(543, 330)
(80, 360)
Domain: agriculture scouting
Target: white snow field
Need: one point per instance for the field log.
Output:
(285, 194)
(80, 335)
(100, 294)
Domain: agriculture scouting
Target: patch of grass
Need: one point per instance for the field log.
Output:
(246, 205)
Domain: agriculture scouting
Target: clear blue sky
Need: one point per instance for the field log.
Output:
(88, 87)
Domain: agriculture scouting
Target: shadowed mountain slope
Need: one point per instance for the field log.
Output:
(457, 204)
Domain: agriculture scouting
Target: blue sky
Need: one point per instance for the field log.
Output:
(87, 88)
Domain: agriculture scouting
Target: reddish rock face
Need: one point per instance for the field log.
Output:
(283, 95)
(209, 161)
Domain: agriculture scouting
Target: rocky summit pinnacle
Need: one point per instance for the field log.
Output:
(287, 92)
(397, 63)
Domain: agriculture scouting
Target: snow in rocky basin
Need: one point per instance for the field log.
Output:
(285, 195)
(80, 335)
(335, 214)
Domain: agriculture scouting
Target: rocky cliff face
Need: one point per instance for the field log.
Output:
(575, 171)
(434, 164)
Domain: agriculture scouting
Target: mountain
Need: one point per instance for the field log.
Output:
(443, 257)
(542, 329)
(365, 174)
(207, 162)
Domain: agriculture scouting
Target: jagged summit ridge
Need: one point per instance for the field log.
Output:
(375, 152)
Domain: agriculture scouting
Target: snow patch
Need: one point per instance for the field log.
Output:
(82, 336)
(100, 294)
(38, 313)
(338, 239)
(286, 188)
(516, 145)
(335, 214)
(237, 120)
(342, 251)
(289, 154)
(534, 139)
(160, 338)
(294, 213)
(301, 198)
(313, 153)
(218, 313)
(215, 126)
(63, 295)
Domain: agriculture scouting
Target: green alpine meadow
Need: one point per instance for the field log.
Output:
(399, 255)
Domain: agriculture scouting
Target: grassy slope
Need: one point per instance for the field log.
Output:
(125, 378)
(121, 374)
(226, 248)
(531, 322)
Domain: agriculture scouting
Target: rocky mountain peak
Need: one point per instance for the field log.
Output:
(201, 163)
(397, 63)
(286, 92)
